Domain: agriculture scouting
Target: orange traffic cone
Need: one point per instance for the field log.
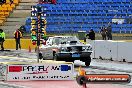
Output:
(29, 49)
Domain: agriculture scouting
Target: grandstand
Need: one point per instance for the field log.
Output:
(5, 8)
(73, 15)
(70, 16)
(18, 11)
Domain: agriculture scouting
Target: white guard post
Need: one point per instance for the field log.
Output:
(42, 71)
(3, 72)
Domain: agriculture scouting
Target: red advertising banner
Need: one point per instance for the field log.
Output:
(15, 68)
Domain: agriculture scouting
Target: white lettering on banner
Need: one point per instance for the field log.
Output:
(40, 77)
(52, 71)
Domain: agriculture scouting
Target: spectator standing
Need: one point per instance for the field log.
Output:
(2, 39)
(91, 35)
(108, 32)
(22, 29)
(103, 33)
(17, 36)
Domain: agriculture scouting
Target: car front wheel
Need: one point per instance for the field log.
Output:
(40, 56)
(55, 57)
(81, 80)
(87, 61)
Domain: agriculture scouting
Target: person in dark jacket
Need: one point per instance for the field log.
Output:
(109, 32)
(17, 36)
(2, 39)
(91, 35)
(103, 33)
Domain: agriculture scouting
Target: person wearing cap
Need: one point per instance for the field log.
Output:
(2, 39)
(17, 36)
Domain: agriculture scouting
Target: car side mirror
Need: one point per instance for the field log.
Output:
(63, 42)
(48, 43)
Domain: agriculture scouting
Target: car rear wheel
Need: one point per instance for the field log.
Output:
(40, 56)
(87, 61)
(81, 80)
(55, 57)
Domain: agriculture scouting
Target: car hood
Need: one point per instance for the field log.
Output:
(69, 45)
(63, 45)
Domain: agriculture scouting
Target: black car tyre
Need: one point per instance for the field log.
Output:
(81, 80)
(40, 56)
(87, 61)
(55, 57)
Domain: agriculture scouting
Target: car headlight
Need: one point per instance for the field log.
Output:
(87, 48)
(62, 49)
(90, 48)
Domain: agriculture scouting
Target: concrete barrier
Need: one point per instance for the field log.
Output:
(113, 50)
(125, 51)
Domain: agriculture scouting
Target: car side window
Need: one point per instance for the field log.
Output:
(49, 41)
(53, 42)
(56, 41)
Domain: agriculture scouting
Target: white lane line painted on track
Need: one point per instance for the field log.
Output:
(3, 57)
(14, 85)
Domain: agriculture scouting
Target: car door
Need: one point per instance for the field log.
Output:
(45, 49)
(49, 51)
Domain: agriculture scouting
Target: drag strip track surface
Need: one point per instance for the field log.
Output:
(108, 69)
(6, 85)
(96, 67)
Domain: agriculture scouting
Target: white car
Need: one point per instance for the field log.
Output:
(66, 48)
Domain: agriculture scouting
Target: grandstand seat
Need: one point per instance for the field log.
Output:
(8, 1)
(6, 14)
(1, 13)
(82, 13)
(13, 5)
(9, 9)
(3, 18)
(27, 27)
(15, 2)
(28, 21)
(1, 9)
(4, 6)
(5, 9)
(1, 22)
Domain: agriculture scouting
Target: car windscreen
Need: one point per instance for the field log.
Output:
(60, 40)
